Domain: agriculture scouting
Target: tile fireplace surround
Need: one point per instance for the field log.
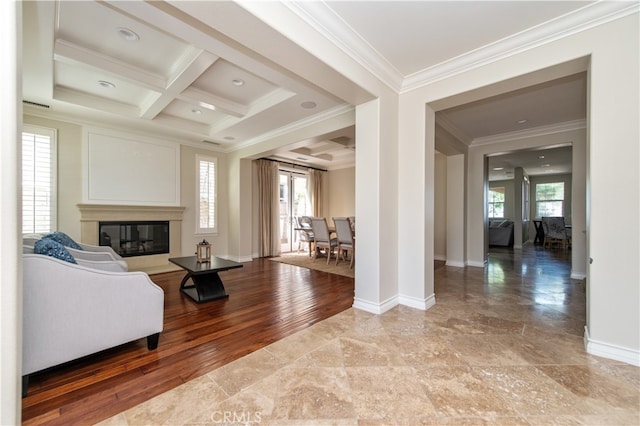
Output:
(92, 214)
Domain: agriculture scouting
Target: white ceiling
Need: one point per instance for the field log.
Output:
(178, 78)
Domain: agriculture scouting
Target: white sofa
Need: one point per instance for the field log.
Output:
(87, 252)
(71, 310)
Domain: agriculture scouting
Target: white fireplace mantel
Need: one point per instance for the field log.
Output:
(92, 214)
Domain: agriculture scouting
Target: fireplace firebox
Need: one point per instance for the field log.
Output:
(137, 238)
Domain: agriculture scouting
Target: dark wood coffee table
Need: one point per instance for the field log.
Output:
(207, 285)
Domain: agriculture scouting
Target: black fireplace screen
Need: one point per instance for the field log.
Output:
(135, 238)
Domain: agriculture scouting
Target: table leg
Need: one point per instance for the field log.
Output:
(205, 288)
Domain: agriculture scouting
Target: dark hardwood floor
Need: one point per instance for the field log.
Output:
(267, 301)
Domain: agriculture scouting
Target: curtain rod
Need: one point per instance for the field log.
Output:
(293, 164)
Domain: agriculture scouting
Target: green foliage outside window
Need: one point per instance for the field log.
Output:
(496, 202)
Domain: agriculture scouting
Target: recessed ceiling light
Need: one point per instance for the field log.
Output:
(207, 106)
(229, 138)
(541, 157)
(106, 84)
(308, 105)
(498, 168)
(237, 82)
(127, 34)
(546, 165)
(196, 111)
(524, 120)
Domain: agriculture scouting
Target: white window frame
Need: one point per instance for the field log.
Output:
(561, 201)
(214, 229)
(53, 170)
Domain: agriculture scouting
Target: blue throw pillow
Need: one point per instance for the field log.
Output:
(63, 239)
(52, 248)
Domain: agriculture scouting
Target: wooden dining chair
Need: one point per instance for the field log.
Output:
(345, 239)
(555, 232)
(322, 237)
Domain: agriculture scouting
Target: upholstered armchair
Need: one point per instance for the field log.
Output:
(71, 310)
(323, 237)
(345, 238)
(305, 234)
(555, 232)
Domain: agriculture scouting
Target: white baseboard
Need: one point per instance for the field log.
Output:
(238, 258)
(476, 264)
(607, 350)
(375, 308)
(456, 264)
(440, 257)
(578, 276)
(414, 302)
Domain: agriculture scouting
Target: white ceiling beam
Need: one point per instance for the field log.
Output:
(207, 100)
(193, 63)
(98, 103)
(70, 53)
(176, 122)
(264, 103)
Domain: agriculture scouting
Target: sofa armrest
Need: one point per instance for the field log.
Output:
(103, 265)
(105, 255)
(107, 250)
(70, 311)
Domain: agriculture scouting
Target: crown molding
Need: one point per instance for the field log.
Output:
(328, 23)
(529, 133)
(582, 19)
(323, 19)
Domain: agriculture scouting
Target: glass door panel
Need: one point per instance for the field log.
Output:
(285, 212)
(294, 202)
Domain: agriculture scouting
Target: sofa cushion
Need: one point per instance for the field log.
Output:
(63, 239)
(49, 247)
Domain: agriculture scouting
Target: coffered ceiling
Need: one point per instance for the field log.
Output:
(208, 72)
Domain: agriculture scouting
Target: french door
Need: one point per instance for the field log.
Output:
(294, 202)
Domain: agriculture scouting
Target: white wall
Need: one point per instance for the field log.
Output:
(440, 207)
(188, 192)
(613, 52)
(10, 261)
(456, 212)
(341, 190)
(70, 191)
(69, 172)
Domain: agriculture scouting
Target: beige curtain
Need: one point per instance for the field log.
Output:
(315, 191)
(268, 208)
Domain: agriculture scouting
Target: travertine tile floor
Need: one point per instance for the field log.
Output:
(502, 346)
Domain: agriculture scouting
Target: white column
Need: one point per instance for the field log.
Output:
(10, 261)
(240, 208)
(367, 282)
(613, 180)
(415, 202)
(455, 211)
